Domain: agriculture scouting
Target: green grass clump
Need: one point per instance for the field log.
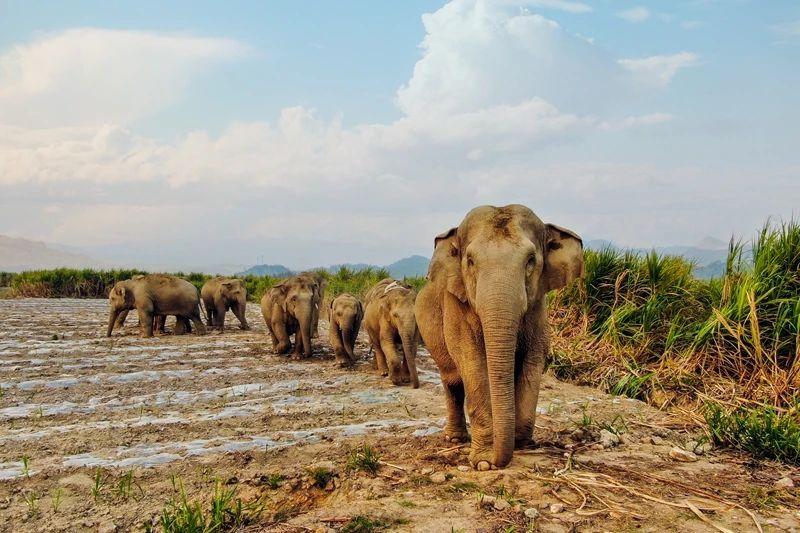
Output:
(225, 512)
(320, 476)
(273, 481)
(366, 524)
(364, 458)
(762, 431)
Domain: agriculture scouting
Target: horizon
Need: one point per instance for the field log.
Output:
(151, 133)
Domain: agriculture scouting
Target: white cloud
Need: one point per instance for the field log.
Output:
(787, 30)
(660, 69)
(635, 14)
(691, 24)
(95, 76)
(563, 5)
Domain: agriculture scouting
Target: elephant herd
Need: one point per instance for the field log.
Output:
(482, 315)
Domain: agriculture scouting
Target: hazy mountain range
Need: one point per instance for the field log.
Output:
(22, 254)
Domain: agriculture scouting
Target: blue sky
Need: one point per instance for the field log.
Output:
(325, 132)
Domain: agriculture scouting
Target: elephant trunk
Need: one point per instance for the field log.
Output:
(501, 307)
(409, 340)
(305, 321)
(112, 318)
(348, 341)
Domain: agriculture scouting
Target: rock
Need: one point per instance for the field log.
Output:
(426, 471)
(107, 527)
(501, 504)
(488, 502)
(438, 477)
(685, 456)
(655, 440)
(608, 439)
(557, 508)
(532, 513)
(543, 505)
(784, 483)
(578, 435)
(624, 439)
(464, 468)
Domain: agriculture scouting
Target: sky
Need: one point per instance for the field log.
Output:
(209, 133)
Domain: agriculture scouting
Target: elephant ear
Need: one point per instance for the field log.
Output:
(564, 257)
(450, 258)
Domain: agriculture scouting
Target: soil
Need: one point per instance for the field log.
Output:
(111, 430)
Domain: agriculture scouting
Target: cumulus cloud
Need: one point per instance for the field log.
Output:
(660, 69)
(563, 5)
(497, 91)
(95, 76)
(635, 14)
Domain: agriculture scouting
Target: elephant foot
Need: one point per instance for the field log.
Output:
(456, 436)
(482, 460)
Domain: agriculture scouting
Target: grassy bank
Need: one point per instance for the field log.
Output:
(89, 283)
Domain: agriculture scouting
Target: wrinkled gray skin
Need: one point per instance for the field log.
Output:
(155, 295)
(389, 321)
(483, 318)
(219, 295)
(344, 315)
(319, 282)
(288, 309)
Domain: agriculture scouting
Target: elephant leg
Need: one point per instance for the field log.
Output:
(240, 311)
(197, 321)
(393, 358)
(281, 342)
(145, 322)
(456, 429)
(219, 316)
(120, 321)
(380, 357)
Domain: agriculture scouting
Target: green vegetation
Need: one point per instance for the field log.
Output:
(762, 431)
(89, 283)
(364, 458)
(26, 465)
(225, 512)
(55, 498)
(99, 483)
(365, 524)
(273, 481)
(320, 475)
(32, 502)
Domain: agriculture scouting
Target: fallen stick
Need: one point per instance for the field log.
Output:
(704, 518)
(454, 448)
(384, 463)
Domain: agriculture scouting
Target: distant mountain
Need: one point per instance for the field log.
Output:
(415, 265)
(712, 270)
(278, 271)
(17, 255)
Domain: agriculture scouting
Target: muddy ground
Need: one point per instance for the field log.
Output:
(111, 429)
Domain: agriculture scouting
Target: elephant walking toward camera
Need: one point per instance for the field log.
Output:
(221, 294)
(288, 309)
(155, 296)
(318, 282)
(344, 317)
(389, 321)
(483, 317)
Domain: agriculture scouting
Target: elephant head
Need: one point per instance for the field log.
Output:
(299, 302)
(400, 311)
(500, 264)
(234, 291)
(119, 299)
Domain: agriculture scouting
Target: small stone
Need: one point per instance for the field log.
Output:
(501, 504)
(532, 513)
(543, 505)
(623, 439)
(464, 468)
(488, 502)
(426, 471)
(784, 483)
(691, 446)
(107, 527)
(556, 508)
(655, 440)
(578, 435)
(438, 478)
(608, 439)
(684, 456)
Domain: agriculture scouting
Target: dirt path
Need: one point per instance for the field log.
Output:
(192, 410)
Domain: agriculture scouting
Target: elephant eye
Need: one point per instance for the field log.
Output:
(531, 264)
(470, 262)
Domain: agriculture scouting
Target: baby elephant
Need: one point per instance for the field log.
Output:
(221, 294)
(389, 320)
(155, 295)
(345, 317)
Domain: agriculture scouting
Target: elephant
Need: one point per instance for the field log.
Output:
(483, 317)
(154, 296)
(319, 296)
(389, 319)
(220, 294)
(288, 309)
(344, 316)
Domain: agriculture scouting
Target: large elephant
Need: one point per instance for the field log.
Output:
(288, 309)
(219, 295)
(345, 315)
(483, 317)
(389, 320)
(319, 282)
(155, 295)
